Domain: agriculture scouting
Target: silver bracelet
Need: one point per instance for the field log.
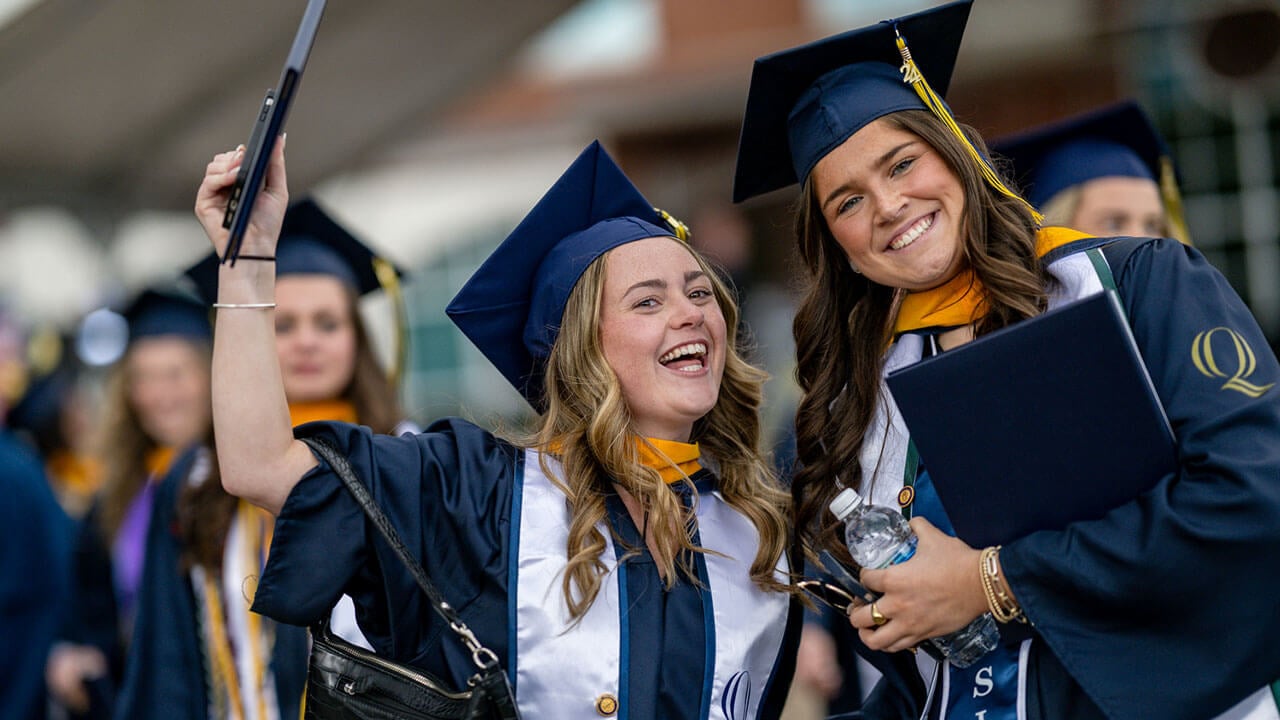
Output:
(244, 306)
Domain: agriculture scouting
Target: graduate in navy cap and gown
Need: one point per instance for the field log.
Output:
(1106, 172)
(156, 409)
(34, 551)
(628, 559)
(914, 245)
(56, 415)
(202, 651)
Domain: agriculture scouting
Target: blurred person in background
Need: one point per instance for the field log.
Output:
(198, 649)
(156, 408)
(56, 415)
(1106, 172)
(34, 551)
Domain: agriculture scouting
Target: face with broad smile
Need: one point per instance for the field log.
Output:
(894, 207)
(663, 334)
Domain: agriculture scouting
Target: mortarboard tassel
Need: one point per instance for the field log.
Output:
(913, 77)
(390, 283)
(1172, 200)
(680, 229)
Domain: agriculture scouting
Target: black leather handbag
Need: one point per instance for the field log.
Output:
(347, 682)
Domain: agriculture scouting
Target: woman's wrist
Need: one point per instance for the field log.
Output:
(246, 283)
(1000, 599)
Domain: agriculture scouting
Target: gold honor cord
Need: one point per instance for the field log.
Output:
(390, 282)
(1172, 200)
(912, 76)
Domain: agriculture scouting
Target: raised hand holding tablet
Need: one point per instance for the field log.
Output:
(267, 127)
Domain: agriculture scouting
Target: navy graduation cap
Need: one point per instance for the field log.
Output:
(511, 307)
(312, 243)
(156, 312)
(806, 101)
(52, 379)
(1114, 141)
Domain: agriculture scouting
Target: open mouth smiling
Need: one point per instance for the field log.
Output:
(920, 227)
(689, 357)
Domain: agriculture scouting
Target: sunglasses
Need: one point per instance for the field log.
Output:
(841, 590)
(827, 594)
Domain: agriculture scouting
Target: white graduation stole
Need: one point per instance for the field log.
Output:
(563, 671)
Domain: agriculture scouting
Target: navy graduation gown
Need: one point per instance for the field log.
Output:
(34, 570)
(449, 494)
(1166, 606)
(165, 676)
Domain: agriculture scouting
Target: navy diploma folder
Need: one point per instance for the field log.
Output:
(1043, 423)
(267, 127)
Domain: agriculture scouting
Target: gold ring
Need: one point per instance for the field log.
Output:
(877, 617)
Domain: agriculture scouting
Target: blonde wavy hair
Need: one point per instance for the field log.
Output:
(590, 426)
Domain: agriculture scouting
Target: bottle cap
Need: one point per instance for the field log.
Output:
(846, 502)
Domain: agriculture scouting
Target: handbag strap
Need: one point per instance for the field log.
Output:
(484, 658)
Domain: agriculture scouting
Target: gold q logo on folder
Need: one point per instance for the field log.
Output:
(1241, 358)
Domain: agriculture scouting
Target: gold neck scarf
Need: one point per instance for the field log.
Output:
(960, 300)
(339, 410)
(157, 462)
(673, 460)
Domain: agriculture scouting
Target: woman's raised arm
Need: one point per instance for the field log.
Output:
(257, 456)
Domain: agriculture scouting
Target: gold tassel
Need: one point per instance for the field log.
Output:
(1172, 200)
(390, 282)
(680, 229)
(913, 77)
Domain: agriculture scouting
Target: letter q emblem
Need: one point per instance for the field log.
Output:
(1234, 366)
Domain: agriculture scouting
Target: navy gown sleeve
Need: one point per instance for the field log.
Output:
(34, 562)
(1166, 607)
(447, 492)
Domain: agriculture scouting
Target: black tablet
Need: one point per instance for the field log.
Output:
(266, 129)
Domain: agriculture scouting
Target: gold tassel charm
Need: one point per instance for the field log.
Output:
(680, 229)
(912, 76)
(1172, 200)
(390, 282)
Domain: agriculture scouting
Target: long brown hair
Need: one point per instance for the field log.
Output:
(588, 422)
(845, 322)
(124, 445)
(205, 509)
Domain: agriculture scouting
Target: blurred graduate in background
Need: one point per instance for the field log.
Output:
(1106, 172)
(34, 551)
(198, 650)
(157, 407)
(56, 415)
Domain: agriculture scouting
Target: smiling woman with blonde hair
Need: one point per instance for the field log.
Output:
(629, 558)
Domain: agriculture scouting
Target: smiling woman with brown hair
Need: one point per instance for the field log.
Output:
(915, 245)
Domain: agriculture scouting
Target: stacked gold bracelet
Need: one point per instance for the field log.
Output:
(1003, 606)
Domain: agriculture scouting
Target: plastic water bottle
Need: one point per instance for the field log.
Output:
(879, 537)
